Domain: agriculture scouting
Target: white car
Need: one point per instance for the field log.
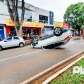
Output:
(59, 37)
(12, 42)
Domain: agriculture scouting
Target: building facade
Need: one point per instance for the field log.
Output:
(32, 13)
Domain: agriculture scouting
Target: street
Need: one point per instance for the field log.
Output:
(19, 64)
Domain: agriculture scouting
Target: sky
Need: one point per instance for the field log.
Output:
(57, 6)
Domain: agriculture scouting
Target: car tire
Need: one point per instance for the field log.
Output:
(0, 48)
(58, 32)
(21, 45)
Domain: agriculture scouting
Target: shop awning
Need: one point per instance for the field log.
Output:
(9, 22)
(33, 24)
(59, 24)
(27, 24)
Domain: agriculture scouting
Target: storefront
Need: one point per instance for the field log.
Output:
(32, 28)
(66, 25)
(10, 28)
(28, 29)
(62, 25)
(58, 25)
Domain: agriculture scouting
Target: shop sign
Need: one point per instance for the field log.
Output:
(66, 25)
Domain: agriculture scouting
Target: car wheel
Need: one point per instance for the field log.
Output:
(58, 31)
(21, 44)
(0, 48)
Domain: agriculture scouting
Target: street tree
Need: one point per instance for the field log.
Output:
(74, 15)
(13, 6)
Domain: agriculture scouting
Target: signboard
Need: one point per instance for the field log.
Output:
(66, 25)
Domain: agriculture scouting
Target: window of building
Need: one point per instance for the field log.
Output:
(2, 0)
(43, 19)
(29, 19)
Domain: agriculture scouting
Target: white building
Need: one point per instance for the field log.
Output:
(32, 13)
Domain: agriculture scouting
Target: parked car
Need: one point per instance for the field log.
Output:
(12, 42)
(58, 38)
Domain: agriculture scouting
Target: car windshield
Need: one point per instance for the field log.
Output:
(8, 39)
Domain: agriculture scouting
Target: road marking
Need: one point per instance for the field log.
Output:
(14, 57)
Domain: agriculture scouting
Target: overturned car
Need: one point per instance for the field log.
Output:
(54, 38)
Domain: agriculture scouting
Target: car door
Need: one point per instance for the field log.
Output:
(7, 42)
(16, 41)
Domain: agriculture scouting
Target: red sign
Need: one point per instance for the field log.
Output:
(66, 25)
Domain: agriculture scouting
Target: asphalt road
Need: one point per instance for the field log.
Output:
(18, 64)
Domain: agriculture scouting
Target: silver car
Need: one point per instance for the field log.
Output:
(57, 38)
(12, 42)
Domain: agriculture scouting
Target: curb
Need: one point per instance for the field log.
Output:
(45, 71)
(61, 71)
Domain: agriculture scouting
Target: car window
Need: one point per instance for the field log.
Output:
(16, 38)
(9, 39)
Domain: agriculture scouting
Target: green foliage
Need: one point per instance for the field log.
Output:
(18, 26)
(81, 63)
(69, 78)
(74, 15)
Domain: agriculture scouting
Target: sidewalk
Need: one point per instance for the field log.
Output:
(77, 37)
